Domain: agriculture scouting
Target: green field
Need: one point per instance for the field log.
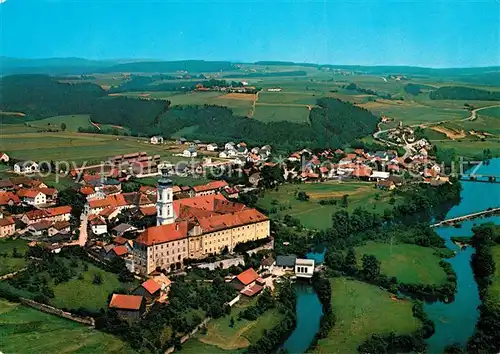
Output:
(222, 338)
(470, 147)
(68, 146)
(408, 263)
(26, 330)
(276, 112)
(285, 97)
(316, 216)
(362, 310)
(83, 293)
(493, 294)
(8, 263)
(73, 122)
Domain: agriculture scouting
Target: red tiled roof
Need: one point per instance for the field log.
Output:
(120, 240)
(61, 225)
(163, 233)
(28, 193)
(48, 191)
(362, 172)
(220, 222)
(7, 221)
(247, 276)
(111, 200)
(96, 220)
(126, 302)
(120, 250)
(61, 210)
(252, 290)
(148, 211)
(5, 197)
(151, 286)
(210, 186)
(205, 202)
(86, 190)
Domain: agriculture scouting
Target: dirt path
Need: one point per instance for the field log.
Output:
(252, 111)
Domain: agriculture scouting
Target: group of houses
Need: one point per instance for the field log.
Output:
(41, 218)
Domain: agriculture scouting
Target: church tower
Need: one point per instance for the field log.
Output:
(164, 202)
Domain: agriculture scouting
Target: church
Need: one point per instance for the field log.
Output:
(194, 228)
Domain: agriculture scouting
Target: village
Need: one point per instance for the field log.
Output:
(159, 232)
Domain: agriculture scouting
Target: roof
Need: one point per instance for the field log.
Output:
(87, 190)
(385, 183)
(5, 197)
(163, 233)
(48, 191)
(120, 240)
(362, 172)
(96, 220)
(61, 225)
(248, 276)
(148, 211)
(286, 261)
(6, 184)
(41, 225)
(28, 193)
(126, 302)
(151, 286)
(120, 250)
(269, 261)
(255, 289)
(305, 262)
(111, 200)
(60, 210)
(380, 174)
(123, 228)
(6, 221)
(106, 212)
(210, 186)
(220, 222)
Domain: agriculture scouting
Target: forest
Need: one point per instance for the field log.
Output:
(464, 93)
(332, 124)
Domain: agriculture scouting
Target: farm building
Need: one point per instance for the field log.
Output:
(26, 167)
(128, 306)
(304, 268)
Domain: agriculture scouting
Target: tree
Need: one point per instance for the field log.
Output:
(63, 127)
(231, 322)
(302, 196)
(344, 203)
(371, 267)
(97, 280)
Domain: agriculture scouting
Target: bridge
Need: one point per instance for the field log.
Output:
(466, 217)
(480, 178)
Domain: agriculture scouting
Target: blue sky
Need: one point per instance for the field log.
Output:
(423, 33)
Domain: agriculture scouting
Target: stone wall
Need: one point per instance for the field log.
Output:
(89, 321)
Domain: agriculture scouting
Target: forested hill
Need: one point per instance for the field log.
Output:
(464, 93)
(332, 124)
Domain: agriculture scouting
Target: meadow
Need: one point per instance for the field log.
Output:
(276, 112)
(408, 263)
(223, 338)
(470, 147)
(78, 293)
(362, 310)
(316, 216)
(26, 330)
(9, 263)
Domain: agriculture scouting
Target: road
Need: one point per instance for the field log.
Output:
(409, 147)
(82, 239)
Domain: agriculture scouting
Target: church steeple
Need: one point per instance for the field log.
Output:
(164, 203)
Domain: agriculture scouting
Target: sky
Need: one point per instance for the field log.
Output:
(431, 33)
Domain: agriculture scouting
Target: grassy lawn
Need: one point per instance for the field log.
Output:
(362, 310)
(73, 122)
(408, 263)
(285, 97)
(470, 147)
(316, 216)
(9, 264)
(244, 332)
(276, 112)
(83, 293)
(194, 346)
(493, 295)
(26, 330)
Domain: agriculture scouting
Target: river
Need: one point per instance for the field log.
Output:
(454, 321)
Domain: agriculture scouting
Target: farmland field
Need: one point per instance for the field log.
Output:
(73, 122)
(26, 330)
(8, 263)
(288, 97)
(408, 263)
(470, 147)
(362, 310)
(276, 112)
(316, 216)
(223, 338)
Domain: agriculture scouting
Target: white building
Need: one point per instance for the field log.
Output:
(156, 140)
(98, 225)
(304, 268)
(4, 157)
(164, 204)
(229, 146)
(378, 175)
(32, 197)
(26, 167)
(191, 152)
(212, 147)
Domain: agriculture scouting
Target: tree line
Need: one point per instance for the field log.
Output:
(464, 93)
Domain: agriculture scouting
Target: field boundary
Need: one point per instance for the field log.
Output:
(89, 321)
